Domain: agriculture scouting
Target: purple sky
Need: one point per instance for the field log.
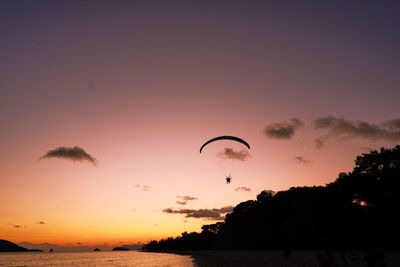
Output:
(139, 86)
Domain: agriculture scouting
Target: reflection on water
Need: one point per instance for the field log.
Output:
(106, 258)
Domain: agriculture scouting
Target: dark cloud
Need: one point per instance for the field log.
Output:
(143, 187)
(302, 160)
(283, 130)
(16, 226)
(78, 243)
(242, 188)
(210, 214)
(185, 199)
(168, 210)
(229, 153)
(341, 128)
(71, 153)
(393, 125)
(41, 222)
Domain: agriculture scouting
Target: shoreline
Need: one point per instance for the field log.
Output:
(309, 258)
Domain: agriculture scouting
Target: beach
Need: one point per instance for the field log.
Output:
(276, 258)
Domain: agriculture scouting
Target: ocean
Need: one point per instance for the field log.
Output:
(102, 258)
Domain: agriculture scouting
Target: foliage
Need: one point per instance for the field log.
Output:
(359, 209)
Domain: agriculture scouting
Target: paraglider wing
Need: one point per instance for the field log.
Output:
(225, 137)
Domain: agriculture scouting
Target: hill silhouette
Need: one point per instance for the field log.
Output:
(359, 210)
(7, 246)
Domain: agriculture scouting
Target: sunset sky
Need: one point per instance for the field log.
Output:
(140, 86)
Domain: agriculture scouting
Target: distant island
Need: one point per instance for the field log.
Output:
(35, 250)
(359, 210)
(8, 246)
(120, 249)
(81, 248)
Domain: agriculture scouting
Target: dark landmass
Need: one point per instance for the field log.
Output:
(96, 249)
(35, 250)
(120, 249)
(71, 248)
(359, 210)
(7, 246)
(133, 247)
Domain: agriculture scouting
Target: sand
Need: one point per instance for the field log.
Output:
(276, 259)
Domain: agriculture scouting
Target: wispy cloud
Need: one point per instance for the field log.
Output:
(283, 130)
(340, 128)
(143, 187)
(146, 187)
(229, 153)
(41, 222)
(185, 199)
(71, 153)
(210, 214)
(302, 160)
(242, 188)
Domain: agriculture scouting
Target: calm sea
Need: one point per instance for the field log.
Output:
(106, 258)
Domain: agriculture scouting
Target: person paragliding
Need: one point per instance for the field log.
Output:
(226, 137)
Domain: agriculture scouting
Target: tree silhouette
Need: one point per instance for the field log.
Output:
(358, 210)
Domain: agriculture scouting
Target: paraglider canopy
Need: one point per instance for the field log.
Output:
(225, 137)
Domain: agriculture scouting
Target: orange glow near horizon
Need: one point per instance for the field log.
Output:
(141, 86)
(79, 202)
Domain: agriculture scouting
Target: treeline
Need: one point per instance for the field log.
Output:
(359, 210)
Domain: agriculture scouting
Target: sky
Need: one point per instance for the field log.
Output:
(104, 106)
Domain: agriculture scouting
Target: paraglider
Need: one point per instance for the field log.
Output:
(225, 137)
